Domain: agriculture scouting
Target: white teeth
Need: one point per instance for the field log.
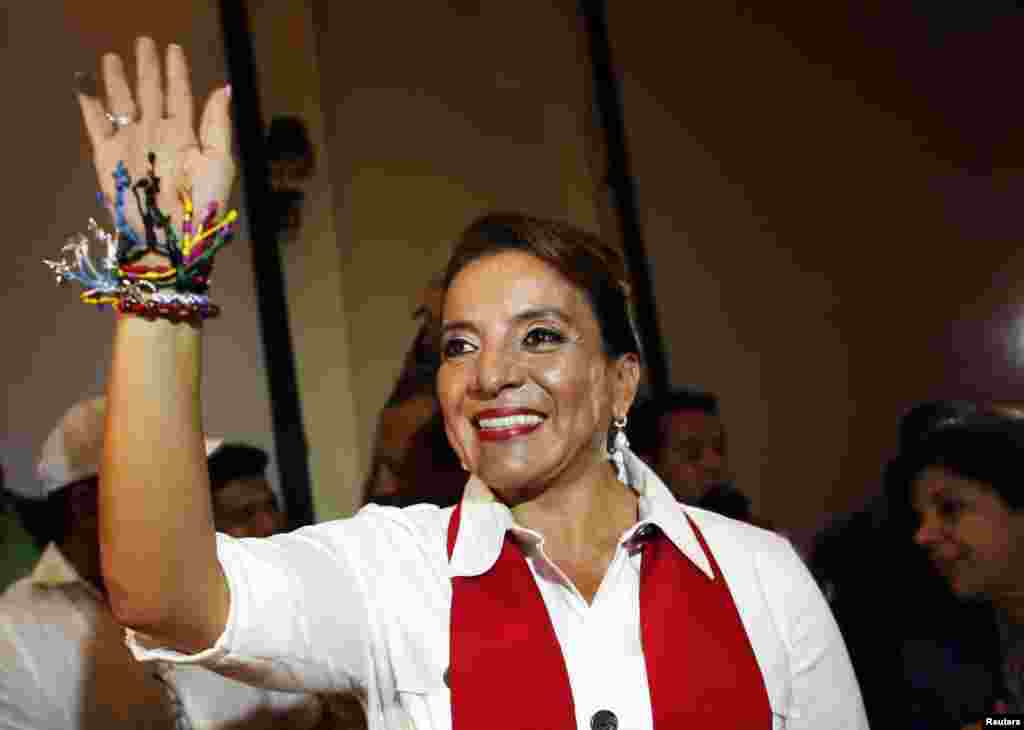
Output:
(510, 421)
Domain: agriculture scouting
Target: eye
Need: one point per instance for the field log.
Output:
(543, 338)
(455, 347)
(950, 507)
(689, 450)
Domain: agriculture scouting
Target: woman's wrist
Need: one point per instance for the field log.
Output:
(164, 273)
(174, 306)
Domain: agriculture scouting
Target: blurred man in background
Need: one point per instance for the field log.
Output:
(681, 436)
(65, 662)
(244, 504)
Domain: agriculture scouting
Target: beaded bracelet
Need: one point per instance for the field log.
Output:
(176, 291)
(175, 307)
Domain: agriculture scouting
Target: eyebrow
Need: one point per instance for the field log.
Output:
(524, 316)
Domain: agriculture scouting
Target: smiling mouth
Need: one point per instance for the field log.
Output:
(501, 427)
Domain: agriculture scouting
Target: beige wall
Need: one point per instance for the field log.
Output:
(437, 128)
(56, 349)
(429, 122)
(290, 77)
(816, 262)
(807, 252)
(793, 228)
(742, 313)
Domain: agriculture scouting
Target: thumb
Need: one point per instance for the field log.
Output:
(215, 126)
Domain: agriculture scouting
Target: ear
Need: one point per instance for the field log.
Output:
(627, 381)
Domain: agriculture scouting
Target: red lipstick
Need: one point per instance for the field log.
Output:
(502, 424)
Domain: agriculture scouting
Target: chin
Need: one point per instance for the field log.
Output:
(505, 481)
(507, 467)
(510, 483)
(964, 589)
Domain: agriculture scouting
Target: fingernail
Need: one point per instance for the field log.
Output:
(85, 84)
(227, 89)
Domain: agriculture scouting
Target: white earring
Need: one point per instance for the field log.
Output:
(619, 445)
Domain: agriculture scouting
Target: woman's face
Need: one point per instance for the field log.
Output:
(526, 388)
(970, 533)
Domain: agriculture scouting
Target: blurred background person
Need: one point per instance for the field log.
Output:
(412, 460)
(244, 503)
(65, 663)
(963, 483)
(883, 524)
(681, 436)
(924, 657)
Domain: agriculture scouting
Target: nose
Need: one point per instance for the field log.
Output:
(929, 532)
(712, 460)
(497, 369)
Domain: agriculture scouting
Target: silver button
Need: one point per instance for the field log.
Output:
(604, 720)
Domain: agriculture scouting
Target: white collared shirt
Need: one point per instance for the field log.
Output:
(64, 666)
(365, 603)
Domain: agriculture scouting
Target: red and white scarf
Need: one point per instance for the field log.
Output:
(701, 668)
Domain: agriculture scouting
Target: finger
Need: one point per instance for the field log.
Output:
(119, 93)
(179, 89)
(150, 91)
(94, 115)
(215, 127)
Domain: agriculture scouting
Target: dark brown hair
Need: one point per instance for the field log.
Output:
(235, 461)
(581, 257)
(986, 447)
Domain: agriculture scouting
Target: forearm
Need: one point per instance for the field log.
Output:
(157, 538)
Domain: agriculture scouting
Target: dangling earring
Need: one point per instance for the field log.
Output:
(619, 445)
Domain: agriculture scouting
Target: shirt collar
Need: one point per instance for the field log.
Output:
(53, 569)
(485, 520)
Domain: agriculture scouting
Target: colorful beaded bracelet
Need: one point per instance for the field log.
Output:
(175, 291)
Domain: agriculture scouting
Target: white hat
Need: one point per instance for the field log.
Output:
(74, 448)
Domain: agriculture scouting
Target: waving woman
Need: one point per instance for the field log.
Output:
(566, 589)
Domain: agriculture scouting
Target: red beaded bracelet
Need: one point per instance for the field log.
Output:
(176, 311)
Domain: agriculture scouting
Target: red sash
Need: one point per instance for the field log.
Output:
(507, 671)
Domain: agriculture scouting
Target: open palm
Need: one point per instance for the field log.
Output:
(163, 125)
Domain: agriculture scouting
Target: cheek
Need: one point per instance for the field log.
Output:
(450, 390)
(987, 542)
(580, 392)
(995, 540)
(680, 471)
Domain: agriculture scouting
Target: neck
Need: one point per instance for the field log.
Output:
(581, 515)
(1010, 600)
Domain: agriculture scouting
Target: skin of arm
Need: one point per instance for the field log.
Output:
(158, 545)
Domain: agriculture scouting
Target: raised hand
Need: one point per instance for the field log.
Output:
(161, 123)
